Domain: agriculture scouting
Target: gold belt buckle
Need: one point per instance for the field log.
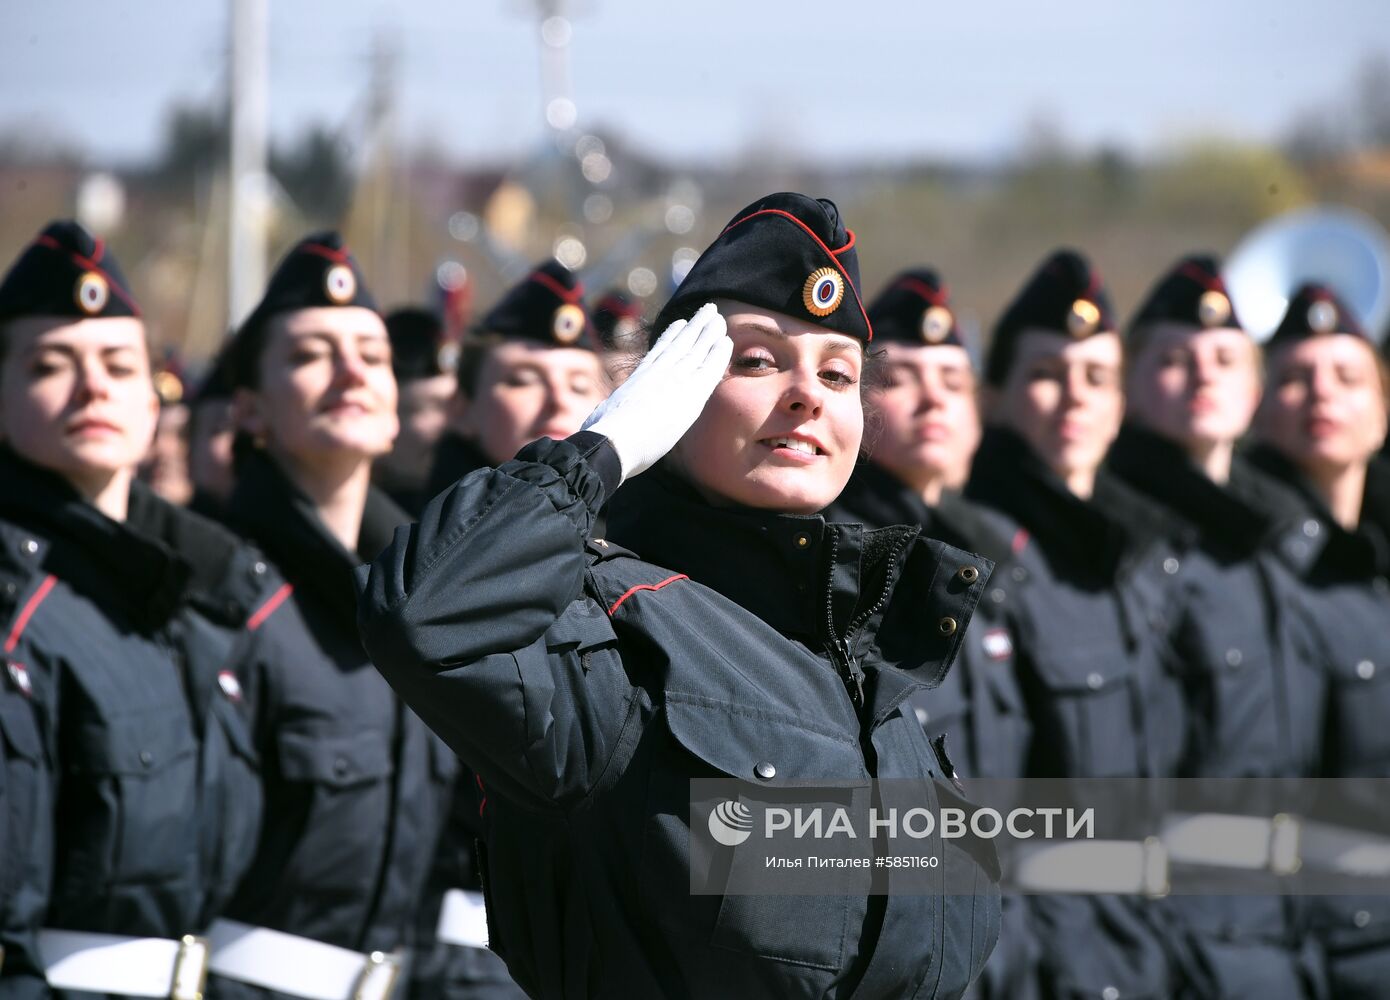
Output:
(190, 969)
(1285, 834)
(378, 978)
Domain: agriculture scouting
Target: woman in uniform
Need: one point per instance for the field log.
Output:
(1254, 687)
(356, 787)
(925, 422)
(1087, 596)
(531, 370)
(752, 640)
(1321, 424)
(121, 615)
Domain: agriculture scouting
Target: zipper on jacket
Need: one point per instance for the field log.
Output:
(841, 648)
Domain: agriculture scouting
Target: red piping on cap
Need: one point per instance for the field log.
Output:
(936, 297)
(336, 256)
(828, 252)
(569, 295)
(91, 265)
(1211, 282)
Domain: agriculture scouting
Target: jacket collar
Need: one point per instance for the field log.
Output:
(1100, 539)
(268, 508)
(1232, 520)
(877, 497)
(1355, 555)
(809, 579)
(108, 561)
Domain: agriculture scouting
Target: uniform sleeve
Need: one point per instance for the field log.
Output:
(477, 617)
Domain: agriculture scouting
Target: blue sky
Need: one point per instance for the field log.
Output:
(713, 79)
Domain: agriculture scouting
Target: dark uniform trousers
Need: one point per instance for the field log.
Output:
(586, 687)
(120, 633)
(356, 787)
(1089, 596)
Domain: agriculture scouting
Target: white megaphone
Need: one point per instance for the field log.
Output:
(1337, 247)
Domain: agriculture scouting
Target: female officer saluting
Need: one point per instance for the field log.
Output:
(1321, 422)
(356, 786)
(586, 686)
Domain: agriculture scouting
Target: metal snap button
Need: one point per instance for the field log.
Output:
(1362, 918)
(1365, 670)
(1019, 573)
(340, 766)
(997, 595)
(259, 568)
(1234, 657)
(968, 574)
(802, 541)
(1311, 528)
(146, 758)
(29, 546)
(1094, 681)
(1170, 565)
(765, 770)
(947, 626)
(1110, 993)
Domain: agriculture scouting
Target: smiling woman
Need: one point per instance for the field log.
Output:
(358, 786)
(723, 629)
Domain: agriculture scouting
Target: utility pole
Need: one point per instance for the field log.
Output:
(246, 249)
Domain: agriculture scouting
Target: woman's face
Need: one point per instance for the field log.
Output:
(326, 386)
(530, 391)
(76, 397)
(929, 420)
(782, 430)
(1063, 397)
(1196, 387)
(1325, 406)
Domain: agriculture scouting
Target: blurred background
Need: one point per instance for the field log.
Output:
(457, 141)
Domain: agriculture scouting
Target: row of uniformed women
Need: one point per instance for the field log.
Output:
(194, 741)
(1174, 611)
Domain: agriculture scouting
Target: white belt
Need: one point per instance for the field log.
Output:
(1342, 850)
(463, 919)
(129, 966)
(1130, 867)
(299, 966)
(1249, 843)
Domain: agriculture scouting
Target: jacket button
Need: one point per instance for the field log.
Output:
(1110, 993)
(259, 568)
(764, 769)
(1234, 658)
(340, 767)
(1019, 573)
(1365, 670)
(1311, 528)
(1095, 681)
(146, 758)
(947, 626)
(997, 595)
(1170, 565)
(802, 541)
(1362, 918)
(969, 574)
(29, 546)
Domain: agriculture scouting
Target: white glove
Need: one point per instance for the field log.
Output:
(648, 414)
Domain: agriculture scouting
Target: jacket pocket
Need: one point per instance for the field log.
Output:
(1088, 716)
(131, 801)
(341, 785)
(25, 790)
(769, 755)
